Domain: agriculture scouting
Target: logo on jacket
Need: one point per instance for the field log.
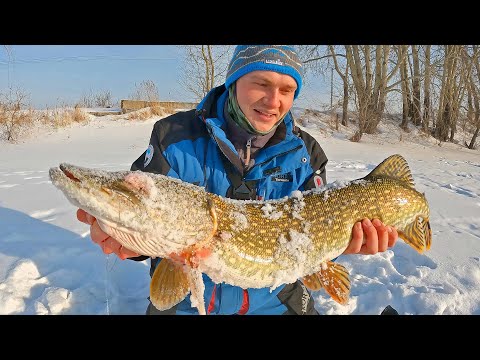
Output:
(283, 177)
(317, 181)
(148, 155)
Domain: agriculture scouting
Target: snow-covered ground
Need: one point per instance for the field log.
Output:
(48, 264)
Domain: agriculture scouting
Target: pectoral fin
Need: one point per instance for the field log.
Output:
(333, 278)
(312, 282)
(169, 285)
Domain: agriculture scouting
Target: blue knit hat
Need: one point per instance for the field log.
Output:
(279, 58)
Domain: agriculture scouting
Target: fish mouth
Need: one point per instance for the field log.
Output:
(68, 173)
(71, 181)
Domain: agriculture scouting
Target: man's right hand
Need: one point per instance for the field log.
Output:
(108, 244)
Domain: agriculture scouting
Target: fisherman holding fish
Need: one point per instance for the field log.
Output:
(241, 142)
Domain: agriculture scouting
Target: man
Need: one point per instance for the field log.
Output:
(241, 142)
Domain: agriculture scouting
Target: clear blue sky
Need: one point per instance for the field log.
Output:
(53, 75)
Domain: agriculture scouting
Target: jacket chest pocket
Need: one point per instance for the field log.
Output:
(277, 186)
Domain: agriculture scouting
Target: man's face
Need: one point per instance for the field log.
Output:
(265, 97)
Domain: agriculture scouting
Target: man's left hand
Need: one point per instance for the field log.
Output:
(371, 237)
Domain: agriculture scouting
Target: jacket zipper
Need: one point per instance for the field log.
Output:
(247, 158)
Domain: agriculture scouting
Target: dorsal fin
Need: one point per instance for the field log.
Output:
(395, 167)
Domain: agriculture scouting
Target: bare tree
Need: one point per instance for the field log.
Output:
(204, 67)
(451, 93)
(146, 91)
(426, 89)
(344, 76)
(12, 114)
(420, 69)
(319, 59)
(473, 91)
(370, 75)
(101, 99)
(402, 51)
(315, 60)
(416, 107)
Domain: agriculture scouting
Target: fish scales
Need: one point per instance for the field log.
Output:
(257, 253)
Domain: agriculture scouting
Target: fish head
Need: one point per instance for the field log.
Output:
(104, 194)
(150, 214)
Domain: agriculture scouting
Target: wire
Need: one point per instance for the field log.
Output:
(81, 58)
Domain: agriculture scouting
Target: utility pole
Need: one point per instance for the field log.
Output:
(8, 50)
(331, 92)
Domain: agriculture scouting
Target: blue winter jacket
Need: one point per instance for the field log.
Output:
(193, 147)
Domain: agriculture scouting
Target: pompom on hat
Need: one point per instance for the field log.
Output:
(280, 58)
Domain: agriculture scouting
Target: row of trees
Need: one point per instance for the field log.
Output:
(17, 116)
(436, 85)
(145, 90)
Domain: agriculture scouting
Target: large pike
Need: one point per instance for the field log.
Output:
(247, 243)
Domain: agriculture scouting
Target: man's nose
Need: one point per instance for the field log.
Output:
(272, 98)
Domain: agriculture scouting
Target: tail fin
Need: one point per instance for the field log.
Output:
(418, 234)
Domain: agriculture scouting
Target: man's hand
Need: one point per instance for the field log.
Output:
(370, 237)
(107, 243)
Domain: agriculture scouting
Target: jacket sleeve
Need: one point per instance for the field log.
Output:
(318, 161)
(152, 159)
